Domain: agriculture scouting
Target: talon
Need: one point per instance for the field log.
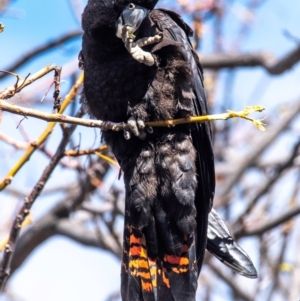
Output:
(149, 129)
(140, 124)
(133, 126)
(127, 135)
(158, 37)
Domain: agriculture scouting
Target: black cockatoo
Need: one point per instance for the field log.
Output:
(140, 66)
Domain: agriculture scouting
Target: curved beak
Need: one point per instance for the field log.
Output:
(131, 17)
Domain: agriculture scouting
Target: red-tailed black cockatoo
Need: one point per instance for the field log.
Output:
(140, 66)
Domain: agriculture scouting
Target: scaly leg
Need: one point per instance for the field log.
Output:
(134, 48)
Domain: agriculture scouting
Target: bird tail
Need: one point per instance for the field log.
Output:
(221, 245)
(167, 277)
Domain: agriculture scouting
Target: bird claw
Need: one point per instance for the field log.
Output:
(126, 134)
(137, 127)
(140, 124)
(134, 48)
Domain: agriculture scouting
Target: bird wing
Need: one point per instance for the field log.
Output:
(175, 29)
(221, 244)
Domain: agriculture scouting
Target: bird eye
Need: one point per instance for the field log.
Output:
(131, 6)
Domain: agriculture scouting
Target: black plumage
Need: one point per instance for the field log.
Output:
(221, 244)
(169, 174)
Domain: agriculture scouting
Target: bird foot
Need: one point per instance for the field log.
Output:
(134, 48)
(138, 128)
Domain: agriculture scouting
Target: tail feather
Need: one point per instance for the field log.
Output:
(137, 283)
(221, 245)
(182, 272)
(167, 277)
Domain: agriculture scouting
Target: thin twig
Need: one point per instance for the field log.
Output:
(108, 159)
(28, 202)
(27, 221)
(11, 91)
(77, 153)
(288, 163)
(49, 224)
(15, 143)
(57, 98)
(260, 146)
(26, 156)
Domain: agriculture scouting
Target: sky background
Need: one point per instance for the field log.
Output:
(61, 267)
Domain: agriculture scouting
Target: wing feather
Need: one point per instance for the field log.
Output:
(177, 30)
(221, 244)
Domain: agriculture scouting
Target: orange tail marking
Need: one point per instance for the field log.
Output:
(165, 279)
(179, 264)
(146, 286)
(138, 262)
(182, 260)
(153, 271)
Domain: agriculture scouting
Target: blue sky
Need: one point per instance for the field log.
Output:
(61, 269)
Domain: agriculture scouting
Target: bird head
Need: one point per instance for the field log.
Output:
(149, 4)
(99, 14)
(101, 17)
(131, 18)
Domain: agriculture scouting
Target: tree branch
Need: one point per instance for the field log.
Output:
(28, 202)
(289, 162)
(266, 60)
(108, 125)
(26, 156)
(269, 225)
(46, 226)
(77, 153)
(40, 50)
(240, 293)
(260, 146)
(13, 142)
(87, 237)
(22, 83)
(215, 61)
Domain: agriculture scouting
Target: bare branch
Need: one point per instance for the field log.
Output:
(11, 91)
(269, 225)
(260, 146)
(28, 202)
(266, 60)
(15, 143)
(275, 280)
(108, 125)
(56, 96)
(39, 50)
(26, 156)
(45, 227)
(76, 231)
(77, 153)
(289, 162)
(240, 293)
